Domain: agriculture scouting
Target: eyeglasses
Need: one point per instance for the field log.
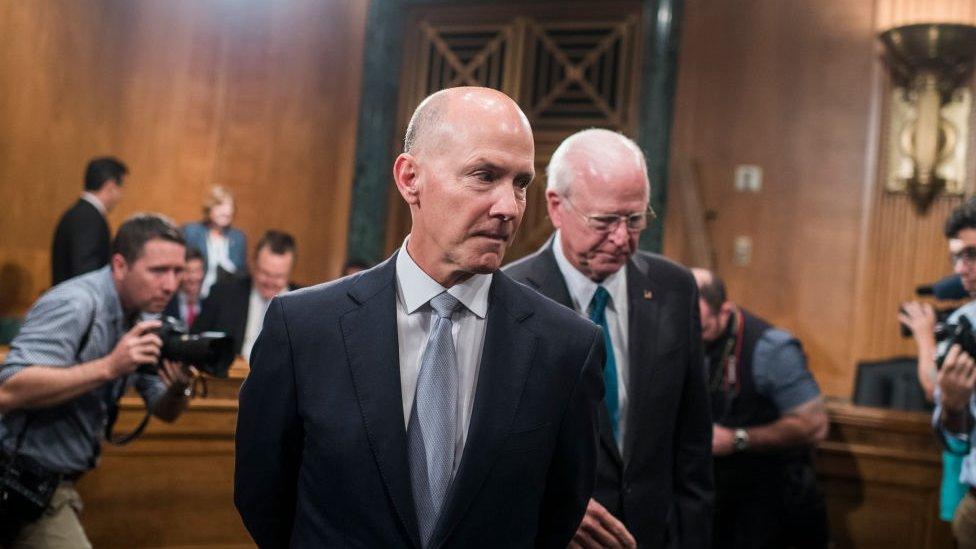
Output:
(607, 223)
(967, 255)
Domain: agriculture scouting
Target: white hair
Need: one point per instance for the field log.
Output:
(562, 168)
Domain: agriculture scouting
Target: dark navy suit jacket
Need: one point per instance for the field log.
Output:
(661, 484)
(322, 446)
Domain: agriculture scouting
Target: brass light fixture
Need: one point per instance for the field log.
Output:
(930, 65)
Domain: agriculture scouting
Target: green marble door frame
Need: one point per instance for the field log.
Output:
(376, 142)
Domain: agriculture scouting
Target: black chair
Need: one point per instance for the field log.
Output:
(890, 383)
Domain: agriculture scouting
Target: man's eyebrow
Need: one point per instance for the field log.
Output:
(484, 163)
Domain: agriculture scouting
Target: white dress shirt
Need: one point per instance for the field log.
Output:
(218, 256)
(256, 308)
(414, 317)
(94, 201)
(581, 290)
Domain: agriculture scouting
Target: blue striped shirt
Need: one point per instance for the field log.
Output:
(66, 438)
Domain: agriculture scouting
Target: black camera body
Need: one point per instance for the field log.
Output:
(210, 352)
(960, 333)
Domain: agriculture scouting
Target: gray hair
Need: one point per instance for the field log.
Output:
(424, 119)
(561, 170)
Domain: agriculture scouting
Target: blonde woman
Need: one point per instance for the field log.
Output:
(223, 247)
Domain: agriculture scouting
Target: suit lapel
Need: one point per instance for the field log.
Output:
(643, 301)
(505, 363)
(548, 280)
(370, 335)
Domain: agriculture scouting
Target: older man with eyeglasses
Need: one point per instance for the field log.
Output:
(654, 478)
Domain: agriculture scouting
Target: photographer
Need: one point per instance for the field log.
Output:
(953, 417)
(78, 350)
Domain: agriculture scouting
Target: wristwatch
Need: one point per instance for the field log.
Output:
(740, 440)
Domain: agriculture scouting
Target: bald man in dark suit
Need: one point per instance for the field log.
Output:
(430, 401)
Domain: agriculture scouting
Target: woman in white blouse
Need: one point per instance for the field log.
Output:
(224, 248)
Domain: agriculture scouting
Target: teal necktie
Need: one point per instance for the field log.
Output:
(598, 314)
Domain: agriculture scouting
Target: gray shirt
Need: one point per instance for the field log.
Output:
(780, 372)
(66, 438)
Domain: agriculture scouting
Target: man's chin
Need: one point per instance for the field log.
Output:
(603, 269)
(486, 263)
(154, 309)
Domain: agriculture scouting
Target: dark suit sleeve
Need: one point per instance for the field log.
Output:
(269, 437)
(572, 472)
(694, 486)
(206, 321)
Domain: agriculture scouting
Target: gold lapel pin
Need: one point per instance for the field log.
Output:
(648, 294)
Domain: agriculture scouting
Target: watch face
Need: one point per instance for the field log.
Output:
(740, 439)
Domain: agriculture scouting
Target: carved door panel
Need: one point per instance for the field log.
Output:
(569, 65)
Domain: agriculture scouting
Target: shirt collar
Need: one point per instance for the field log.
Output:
(256, 295)
(112, 303)
(415, 288)
(94, 201)
(581, 288)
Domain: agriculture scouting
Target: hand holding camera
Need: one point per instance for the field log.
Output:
(919, 318)
(140, 345)
(177, 377)
(956, 379)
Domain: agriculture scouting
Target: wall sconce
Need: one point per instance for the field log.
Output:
(930, 65)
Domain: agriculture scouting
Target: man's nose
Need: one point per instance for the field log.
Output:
(619, 234)
(506, 204)
(172, 281)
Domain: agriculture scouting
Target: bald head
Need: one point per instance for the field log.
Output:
(468, 159)
(711, 288)
(592, 154)
(442, 114)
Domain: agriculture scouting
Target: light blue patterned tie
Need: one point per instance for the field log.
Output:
(432, 430)
(598, 314)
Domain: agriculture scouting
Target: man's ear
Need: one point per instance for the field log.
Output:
(407, 178)
(119, 266)
(553, 201)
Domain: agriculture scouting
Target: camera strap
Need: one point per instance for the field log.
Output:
(28, 416)
(127, 438)
(11, 461)
(725, 373)
(113, 415)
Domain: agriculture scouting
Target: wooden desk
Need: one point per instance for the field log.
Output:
(174, 486)
(881, 471)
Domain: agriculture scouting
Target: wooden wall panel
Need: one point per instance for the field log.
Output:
(259, 96)
(784, 85)
(799, 89)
